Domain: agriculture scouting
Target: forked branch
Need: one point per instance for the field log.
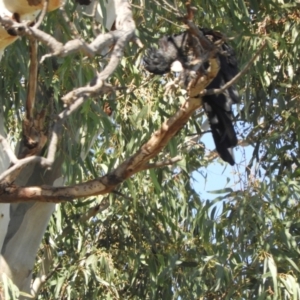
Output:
(135, 163)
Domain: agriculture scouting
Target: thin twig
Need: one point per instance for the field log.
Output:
(32, 84)
(163, 163)
(237, 77)
(169, 8)
(95, 28)
(70, 24)
(42, 14)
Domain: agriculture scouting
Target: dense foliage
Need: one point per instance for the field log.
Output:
(156, 238)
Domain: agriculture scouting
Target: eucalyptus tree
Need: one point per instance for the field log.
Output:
(83, 124)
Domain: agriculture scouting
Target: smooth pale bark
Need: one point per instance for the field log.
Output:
(4, 207)
(26, 227)
(24, 224)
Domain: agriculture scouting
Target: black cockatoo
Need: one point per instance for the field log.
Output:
(217, 107)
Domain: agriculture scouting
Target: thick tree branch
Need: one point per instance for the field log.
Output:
(195, 87)
(72, 46)
(109, 182)
(9, 175)
(6, 148)
(125, 31)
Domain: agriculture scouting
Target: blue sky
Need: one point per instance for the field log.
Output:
(217, 174)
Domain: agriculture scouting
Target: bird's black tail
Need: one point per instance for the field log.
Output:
(219, 110)
(219, 114)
